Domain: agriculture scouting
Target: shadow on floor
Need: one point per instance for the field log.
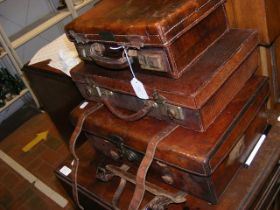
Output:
(17, 119)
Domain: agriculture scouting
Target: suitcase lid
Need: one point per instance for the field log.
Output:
(194, 152)
(194, 87)
(141, 22)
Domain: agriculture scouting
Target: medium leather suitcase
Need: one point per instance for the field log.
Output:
(195, 99)
(261, 15)
(161, 37)
(201, 164)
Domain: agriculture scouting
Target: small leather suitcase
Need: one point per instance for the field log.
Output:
(201, 164)
(162, 37)
(195, 99)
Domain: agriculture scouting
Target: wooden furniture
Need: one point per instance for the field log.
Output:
(255, 187)
(56, 93)
(263, 16)
(270, 66)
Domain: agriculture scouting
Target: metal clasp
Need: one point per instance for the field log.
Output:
(92, 90)
(166, 109)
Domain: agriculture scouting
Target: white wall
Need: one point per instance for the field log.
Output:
(17, 15)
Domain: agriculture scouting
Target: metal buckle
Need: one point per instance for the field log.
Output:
(104, 174)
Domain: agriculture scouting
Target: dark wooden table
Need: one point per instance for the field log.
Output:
(256, 187)
(56, 92)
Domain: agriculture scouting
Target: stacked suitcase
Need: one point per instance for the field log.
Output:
(200, 93)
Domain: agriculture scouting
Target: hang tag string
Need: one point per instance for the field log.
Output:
(127, 58)
(136, 84)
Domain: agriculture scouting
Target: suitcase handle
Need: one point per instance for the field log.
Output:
(117, 63)
(128, 117)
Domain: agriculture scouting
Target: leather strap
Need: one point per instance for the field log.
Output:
(72, 145)
(178, 197)
(144, 166)
(131, 117)
(119, 191)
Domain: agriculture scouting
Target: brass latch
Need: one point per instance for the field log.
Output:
(92, 90)
(166, 109)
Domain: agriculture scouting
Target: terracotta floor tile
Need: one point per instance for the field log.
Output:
(45, 172)
(15, 192)
(28, 131)
(64, 150)
(11, 180)
(52, 157)
(4, 168)
(19, 206)
(27, 194)
(37, 203)
(34, 164)
(57, 186)
(25, 159)
(21, 188)
(6, 197)
(8, 147)
(54, 142)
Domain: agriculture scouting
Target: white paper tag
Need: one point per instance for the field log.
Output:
(139, 89)
(278, 118)
(83, 105)
(65, 170)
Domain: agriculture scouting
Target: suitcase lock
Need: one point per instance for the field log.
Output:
(92, 90)
(97, 49)
(171, 111)
(125, 152)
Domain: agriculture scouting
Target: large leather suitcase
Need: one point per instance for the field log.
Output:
(201, 164)
(252, 188)
(195, 99)
(151, 31)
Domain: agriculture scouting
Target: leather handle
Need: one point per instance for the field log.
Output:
(118, 63)
(128, 117)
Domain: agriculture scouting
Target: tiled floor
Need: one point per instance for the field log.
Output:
(16, 193)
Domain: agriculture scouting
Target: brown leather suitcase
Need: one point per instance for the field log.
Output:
(195, 99)
(252, 188)
(201, 164)
(151, 31)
